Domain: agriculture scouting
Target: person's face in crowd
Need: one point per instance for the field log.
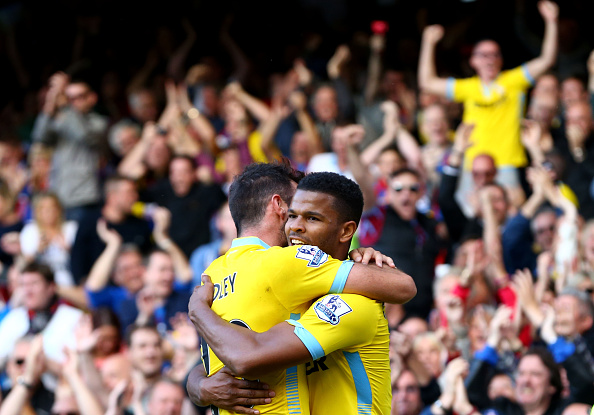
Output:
(588, 242)
(127, 139)
(237, 121)
(543, 109)
(313, 220)
(533, 382)
(225, 224)
(429, 353)
(435, 125)
(498, 201)
(389, 161)
(406, 394)
(445, 288)
(403, 193)
(339, 142)
(547, 85)
(158, 154)
(48, 212)
(572, 91)
(40, 164)
(325, 104)
(15, 366)
(144, 107)
(210, 100)
(108, 341)
(37, 292)
(129, 270)
(125, 195)
(469, 247)
(478, 329)
(181, 176)
(233, 165)
(393, 84)
(486, 60)
(80, 97)
(413, 326)
(300, 150)
(146, 352)
(159, 274)
(114, 369)
(501, 385)
(569, 319)
(483, 171)
(544, 226)
(579, 115)
(166, 399)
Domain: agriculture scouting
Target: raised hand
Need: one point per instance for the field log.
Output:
(340, 57)
(184, 332)
(109, 236)
(86, 337)
(433, 34)
(548, 10)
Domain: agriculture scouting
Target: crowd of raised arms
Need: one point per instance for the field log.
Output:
(113, 201)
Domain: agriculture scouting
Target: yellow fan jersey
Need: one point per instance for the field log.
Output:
(347, 336)
(496, 110)
(257, 286)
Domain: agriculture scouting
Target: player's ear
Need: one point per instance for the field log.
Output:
(348, 231)
(279, 206)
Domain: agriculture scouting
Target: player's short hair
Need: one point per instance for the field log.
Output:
(251, 190)
(346, 194)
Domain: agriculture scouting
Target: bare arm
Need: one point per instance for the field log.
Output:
(85, 400)
(132, 165)
(99, 275)
(550, 13)
(225, 391)
(391, 126)
(377, 43)
(298, 102)
(162, 218)
(258, 109)
(428, 80)
(386, 284)
(358, 169)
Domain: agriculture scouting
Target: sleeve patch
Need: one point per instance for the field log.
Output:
(331, 308)
(314, 255)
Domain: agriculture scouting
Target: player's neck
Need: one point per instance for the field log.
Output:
(269, 236)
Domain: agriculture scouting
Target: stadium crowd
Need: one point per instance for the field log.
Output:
(113, 203)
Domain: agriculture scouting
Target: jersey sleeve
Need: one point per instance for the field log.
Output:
(518, 78)
(337, 322)
(300, 274)
(459, 90)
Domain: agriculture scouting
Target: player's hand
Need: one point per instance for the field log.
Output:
(203, 294)
(364, 255)
(225, 391)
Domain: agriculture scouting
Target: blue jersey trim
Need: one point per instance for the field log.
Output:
(341, 277)
(248, 240)
(313, 346)
(295, 316)
(362, 385)
(527, 74)
(450, 88)
(292, 390)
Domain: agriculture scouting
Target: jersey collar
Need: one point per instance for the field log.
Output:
(248, 240)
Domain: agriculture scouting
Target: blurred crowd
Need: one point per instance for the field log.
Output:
(113, 202)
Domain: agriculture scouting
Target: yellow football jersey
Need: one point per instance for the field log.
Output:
(348, 338)
(257, 286)
(496, 110)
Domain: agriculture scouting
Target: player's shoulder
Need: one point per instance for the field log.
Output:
(300, 255)
(332, 307)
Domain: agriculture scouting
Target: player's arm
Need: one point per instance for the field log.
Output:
(550, 13)
(225, 391)
(244, 352)
(428, 79)
(386, 284)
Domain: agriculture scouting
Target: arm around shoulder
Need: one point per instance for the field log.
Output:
(385, 284)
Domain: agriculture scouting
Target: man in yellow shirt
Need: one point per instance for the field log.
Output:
(345, 335)
(493, 100)
(257, 290)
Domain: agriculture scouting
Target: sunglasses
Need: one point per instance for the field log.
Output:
(397, 187)
(19, 362)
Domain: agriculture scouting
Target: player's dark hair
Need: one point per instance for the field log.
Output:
(348, 198)
(251, 190)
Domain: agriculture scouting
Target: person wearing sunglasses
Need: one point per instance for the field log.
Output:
(408, 236)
